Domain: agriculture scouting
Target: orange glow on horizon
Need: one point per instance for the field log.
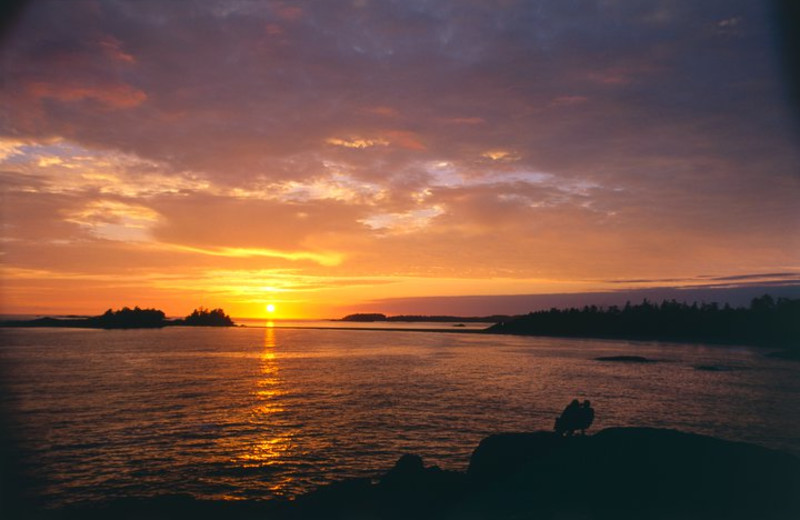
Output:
(294, 296)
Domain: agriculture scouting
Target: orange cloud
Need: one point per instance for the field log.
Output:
(406, 139)
(326, 259)
(500, 155)
(356, 142)
(114, 220)
(113, 96)
(382, 111)
(399, 138)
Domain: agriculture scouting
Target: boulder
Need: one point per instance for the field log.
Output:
(635, 473)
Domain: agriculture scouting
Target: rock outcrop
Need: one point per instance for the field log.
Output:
(617, 473)
(632, 473)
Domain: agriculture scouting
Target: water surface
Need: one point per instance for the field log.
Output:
(260, 412)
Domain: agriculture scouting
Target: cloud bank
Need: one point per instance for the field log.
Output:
(343, 149)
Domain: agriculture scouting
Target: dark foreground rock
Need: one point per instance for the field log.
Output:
(791, 355)
(713, 368)
(625, 359)
(618, 473)
(632, 473)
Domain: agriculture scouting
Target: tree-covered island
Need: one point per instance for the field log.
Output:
(136, 318)
(767, 322)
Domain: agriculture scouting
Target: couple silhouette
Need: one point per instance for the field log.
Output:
(576, 416)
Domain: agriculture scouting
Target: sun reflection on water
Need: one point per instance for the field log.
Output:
(272, 441)
(269, 383)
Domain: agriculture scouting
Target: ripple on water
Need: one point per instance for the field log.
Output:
(254, 413)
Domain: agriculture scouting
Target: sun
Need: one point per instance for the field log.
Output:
(270, 308)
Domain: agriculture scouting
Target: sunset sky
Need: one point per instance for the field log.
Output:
(329, 157)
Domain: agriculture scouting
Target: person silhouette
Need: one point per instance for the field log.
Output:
(569, 421)
(585, 417)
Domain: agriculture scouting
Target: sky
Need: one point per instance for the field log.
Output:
(330, 157)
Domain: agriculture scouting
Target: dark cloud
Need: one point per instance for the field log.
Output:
(524, 303)
(775, 276)
(229, 86)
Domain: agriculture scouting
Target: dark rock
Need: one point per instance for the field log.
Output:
(354, 498)
(626, 359)
(410, 490)
(712, 368)
(503, 455)
(791, 355)
(169, 507)
(408, 467)
(634, 473)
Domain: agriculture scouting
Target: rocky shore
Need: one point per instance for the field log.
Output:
(617, 473)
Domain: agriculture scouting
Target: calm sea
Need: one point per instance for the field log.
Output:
(259, 412)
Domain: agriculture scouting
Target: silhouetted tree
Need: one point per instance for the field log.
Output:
(375, 316)
(209, 318)
(767, 321)
(127, 318)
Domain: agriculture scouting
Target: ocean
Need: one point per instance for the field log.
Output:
(258, 412)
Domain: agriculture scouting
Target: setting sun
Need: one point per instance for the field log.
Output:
(270, 308)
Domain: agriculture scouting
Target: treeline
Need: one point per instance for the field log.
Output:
(207, 318)
(371, 317)
(765, 322)
(127, 318)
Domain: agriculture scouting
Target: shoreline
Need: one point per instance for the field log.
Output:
(639, 339)
(777, 351)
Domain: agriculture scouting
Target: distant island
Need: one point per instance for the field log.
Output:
(767, 322)
(373, 317)
(127, 318)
